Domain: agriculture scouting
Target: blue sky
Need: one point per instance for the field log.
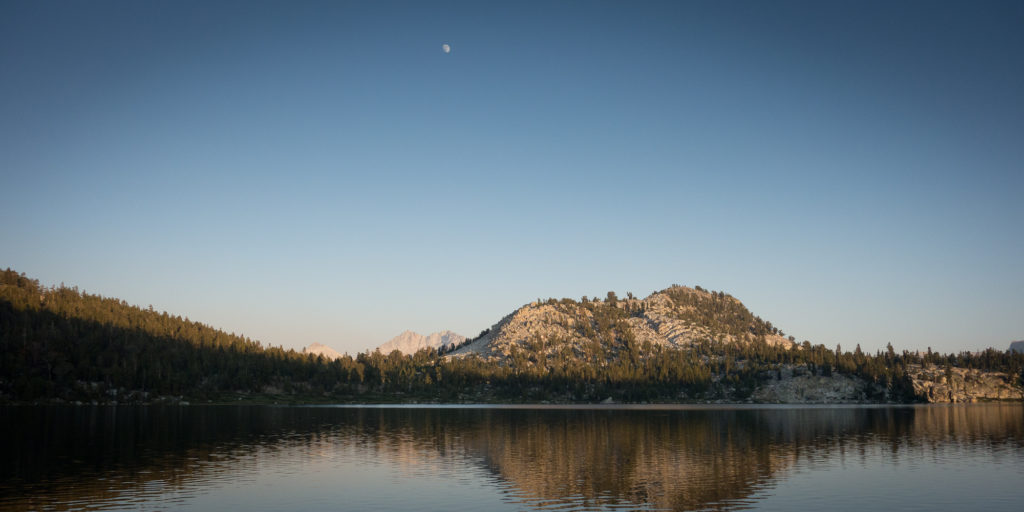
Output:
(323, 172)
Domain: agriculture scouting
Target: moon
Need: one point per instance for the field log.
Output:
(446, 48)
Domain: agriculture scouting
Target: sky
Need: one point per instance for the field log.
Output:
(304, 172)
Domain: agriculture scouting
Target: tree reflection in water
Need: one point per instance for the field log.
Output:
(677, 459)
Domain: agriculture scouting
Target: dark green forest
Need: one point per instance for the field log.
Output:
(59, 344)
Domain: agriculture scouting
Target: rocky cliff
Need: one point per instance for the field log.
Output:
(962, 385)
(800, 387)
(931, 384)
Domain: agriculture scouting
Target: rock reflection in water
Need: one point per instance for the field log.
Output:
(312, 458)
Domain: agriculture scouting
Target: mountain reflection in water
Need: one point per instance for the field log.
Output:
(327, 458)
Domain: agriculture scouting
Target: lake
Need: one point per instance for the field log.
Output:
(263, 458)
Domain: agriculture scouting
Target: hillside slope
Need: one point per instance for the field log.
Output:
(712, 344)
(677, 317)
(60, 344)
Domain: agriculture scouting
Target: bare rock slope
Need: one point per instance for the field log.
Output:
(674, 318)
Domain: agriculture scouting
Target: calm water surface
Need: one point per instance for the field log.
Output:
(262, 458)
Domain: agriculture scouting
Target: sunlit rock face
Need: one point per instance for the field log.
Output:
(410, 342)
(578, 337)
(676, 317)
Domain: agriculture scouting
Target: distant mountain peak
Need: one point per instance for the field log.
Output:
(410, 342)
(318, 349)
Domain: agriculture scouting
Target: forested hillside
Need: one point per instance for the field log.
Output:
(680, 344)
(61, 343)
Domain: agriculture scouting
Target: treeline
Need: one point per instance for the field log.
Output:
(60, 343)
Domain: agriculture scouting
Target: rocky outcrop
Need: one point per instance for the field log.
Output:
(673, 318)
(549, 335)
(1017, 346)
(962, 385)
(796, 387)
